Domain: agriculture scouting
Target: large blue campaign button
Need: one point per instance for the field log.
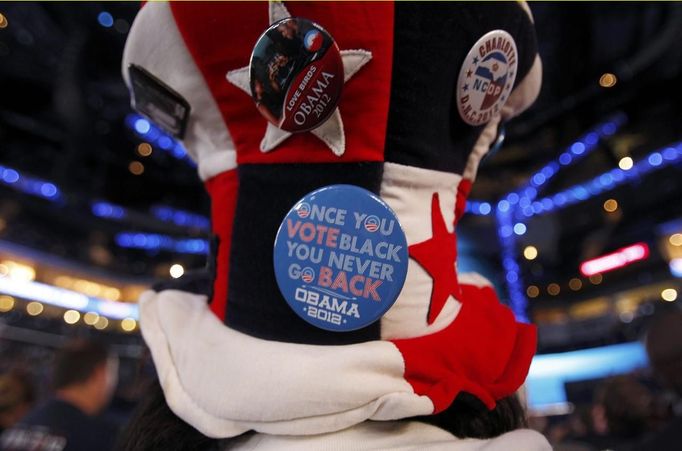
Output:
(340, 258)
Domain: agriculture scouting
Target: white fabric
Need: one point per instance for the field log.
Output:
(155, 43)
(481, 147)
(526, 8)
(277, 11)
(391, 436)
(332, 133)
(353, 61)
(224, 382)
(408, 191)
(241, 78)
(274, 136)
(473, 278)
(525, 93)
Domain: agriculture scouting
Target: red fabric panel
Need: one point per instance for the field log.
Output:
(484, 352)
(223, 191)
(220, 36)
(463, 190)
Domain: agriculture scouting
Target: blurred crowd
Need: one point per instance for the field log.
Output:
(75, 396)
(84, 377)
(640, 411)
(66, 404)
(628, 413)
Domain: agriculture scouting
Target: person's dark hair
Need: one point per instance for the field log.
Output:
(627, 406)
(76, 362)
(467, 417)
(154, 426)
(16, 389)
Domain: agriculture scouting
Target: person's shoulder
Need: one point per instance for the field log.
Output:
(51, 411)
(40, 413)
(34, 434)
(57, 424)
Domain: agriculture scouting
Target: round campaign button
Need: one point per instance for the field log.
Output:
(296, 74)
(340, 258)
(486, 77)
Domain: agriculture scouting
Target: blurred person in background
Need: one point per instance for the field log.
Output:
(621, 414)
(664, 348)
(570, 433)
(85, 376)
(16, 398)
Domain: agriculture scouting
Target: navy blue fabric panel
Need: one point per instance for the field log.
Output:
(431, 41)
(255, 305)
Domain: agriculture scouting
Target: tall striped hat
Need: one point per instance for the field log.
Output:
(425, 88)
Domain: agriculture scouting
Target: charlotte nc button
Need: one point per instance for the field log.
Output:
(486, 77)
(340, 258)
(296, 74)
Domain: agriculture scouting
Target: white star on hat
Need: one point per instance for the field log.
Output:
(331, 131)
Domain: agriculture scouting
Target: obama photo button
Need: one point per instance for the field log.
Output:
(296, 74)
(340, 258)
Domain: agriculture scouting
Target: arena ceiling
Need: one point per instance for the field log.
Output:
(65, 123)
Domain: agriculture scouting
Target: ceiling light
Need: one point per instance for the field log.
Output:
(608, 80)
(144, 149)
(530, 252)
(128, 324)
(136, 168)
(575, 284)
(676, 239)
(596, 279)
(553, 289)
(34, 308)
(19, 272)
(90, 318)
(625, 163)
(101, 323)
(617, 259)
(6, 303)
(669, 294)
(532, 291)
(611, 205)
(71, 316)
(176, 271)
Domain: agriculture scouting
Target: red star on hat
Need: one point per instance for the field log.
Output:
(437, 256)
